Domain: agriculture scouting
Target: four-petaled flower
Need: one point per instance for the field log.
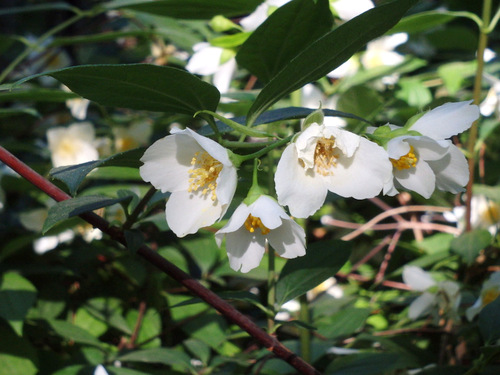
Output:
(442, 296)
(250, 226)
(430, 160)
(198, 173)
(327, 158)
(489, 292)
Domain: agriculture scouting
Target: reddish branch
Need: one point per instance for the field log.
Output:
(164, 265)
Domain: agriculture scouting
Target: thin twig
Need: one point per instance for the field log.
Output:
(385, 263)
(164, 265)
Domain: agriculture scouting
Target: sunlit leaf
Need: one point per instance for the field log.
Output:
(328, 52)
(289, 30)
(17, 355)
(164, 356)
(72, 332)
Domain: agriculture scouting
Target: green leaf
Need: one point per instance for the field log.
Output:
(37, 95)
(199, 349)
(134, 239)
(73, 175)
(71, 332)
(8, 11)
(109, 311)
(17, 356)
(17, 295)
(469, 244)
(414, 92)
(322, 260)
(76, 206)
(10, 112)
(454, 74)
(188, 9)
(328, 52)
(282, 114)
(344, 323)
(289, 30)
(158, 355)
(489, 324)
(365, 364)
(139, 86)
(362, 100)
(422, 21)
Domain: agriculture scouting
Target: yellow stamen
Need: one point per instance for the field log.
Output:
(325, 156)
(126, 143)
(491, 214)
(406, 161)
(490, 295)
(204, 174)
(252, 223)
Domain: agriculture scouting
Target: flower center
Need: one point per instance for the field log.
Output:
(68, 147)
(325, 156)
(490, 295)
(126, 143)
(203, 175)
(252, 223)
(406, 161)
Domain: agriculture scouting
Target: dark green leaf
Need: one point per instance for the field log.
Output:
(328, 52)
(37, 95)
(76, 206)
(422, 21)
(288, 31)
(282, 114)
(10, 112)
(322, 260)
(362, 100)
(188, 9)
(469, 244)
(489, 324)
(73, 175)
(364, 364)
(134, 239)
(139, 86)
(159, 355)
(17, 295)
(36, 8)
(71, 332)
(344, 323)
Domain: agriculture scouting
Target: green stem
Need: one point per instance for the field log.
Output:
(265, 150)
(483, 41)
(138, 209)
(305, 334)
(39, 42)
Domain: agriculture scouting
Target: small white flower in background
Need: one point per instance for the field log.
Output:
(77, 106)
(135, 135)
(251, 226)
(100, 370)
(436, 296)
(74, 144)
(380, 52)
(491, 104)
(428, 161)
(326, 158)
(485, 214)
(347, 69)
(489, 292)
(312, 97)
(260, 14)
(348, 9)
(208, 60)
(198, 173)
(287, 309)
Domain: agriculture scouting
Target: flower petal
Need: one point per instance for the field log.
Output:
(447, 120)
(214, 149)
(417, 278)
(420, 179)
(226, 186)
(364, 174)
(297, 188)
(421, 305)
(268, 211)
(244, 249)
(168, 160)
(452, 171)
(187, 212)
(288, 240)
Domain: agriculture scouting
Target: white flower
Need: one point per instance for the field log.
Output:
(327, 158)
(428, 161)
(135, 135)
(347, 69)
(259, 15)
(443, 295)
(100, 370)
(489, 292)
(348, 9)
(77, 106)
(249, 228)
(198, 173)
(72, 145)
(380, 52)
(485, 214)
(208, 60)
(491, 104)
